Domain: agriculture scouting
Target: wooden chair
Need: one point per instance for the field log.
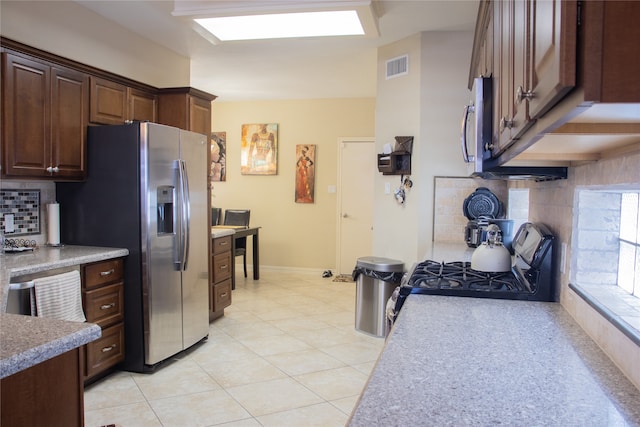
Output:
(239, 217)
(215, 216)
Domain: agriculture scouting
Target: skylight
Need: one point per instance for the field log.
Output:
(284, 25)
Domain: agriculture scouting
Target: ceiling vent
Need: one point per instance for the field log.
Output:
(397, 67)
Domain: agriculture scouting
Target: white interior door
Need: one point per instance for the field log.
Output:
(357, 161)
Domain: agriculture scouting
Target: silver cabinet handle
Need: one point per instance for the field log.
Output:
(107, 306)
(107, 273)
(223, 267)
(521, 95)
(108, 349)
(505, 124)
(223, 295)
(225, 243)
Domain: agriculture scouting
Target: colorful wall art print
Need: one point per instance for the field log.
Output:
(218, 148)
(305, 173)
(259, 149)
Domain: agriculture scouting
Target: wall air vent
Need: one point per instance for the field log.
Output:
(397, 67)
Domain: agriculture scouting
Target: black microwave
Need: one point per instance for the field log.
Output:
(476, 139)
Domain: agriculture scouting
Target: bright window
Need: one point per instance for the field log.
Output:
(605, 252)
(284, 25)
(629, 254)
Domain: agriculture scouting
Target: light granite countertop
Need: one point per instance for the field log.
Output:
(48, 258)
(26, 341)
(219, 231)
(455, 361)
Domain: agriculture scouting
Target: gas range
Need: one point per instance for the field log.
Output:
(530, 278)
(458, 278)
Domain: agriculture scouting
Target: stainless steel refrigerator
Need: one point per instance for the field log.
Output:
(146, 190)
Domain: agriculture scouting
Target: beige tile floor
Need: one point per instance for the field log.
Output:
(286, 353)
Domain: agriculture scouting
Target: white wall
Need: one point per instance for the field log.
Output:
(74, 32)
(427, 104)
(294, 235)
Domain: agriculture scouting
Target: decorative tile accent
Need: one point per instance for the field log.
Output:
(24, 205)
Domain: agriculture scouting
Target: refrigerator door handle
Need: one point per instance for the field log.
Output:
(178, 218)
(186, 209)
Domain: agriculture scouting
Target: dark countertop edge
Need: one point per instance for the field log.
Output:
(25, 359)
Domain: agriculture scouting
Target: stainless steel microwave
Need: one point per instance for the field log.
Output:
(476, 139)
(477, 126)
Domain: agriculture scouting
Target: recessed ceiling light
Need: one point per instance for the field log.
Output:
(284, 25)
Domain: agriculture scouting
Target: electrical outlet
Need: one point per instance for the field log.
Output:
(387, 188)
(563, 257)
(9, 226)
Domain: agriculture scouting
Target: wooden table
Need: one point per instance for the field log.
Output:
(240, 232)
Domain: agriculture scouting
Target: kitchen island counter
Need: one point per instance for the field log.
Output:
(475, 361)
(27, 341)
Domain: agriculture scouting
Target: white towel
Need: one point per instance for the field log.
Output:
(59, 297)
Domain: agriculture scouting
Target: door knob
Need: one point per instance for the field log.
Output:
(345, 215)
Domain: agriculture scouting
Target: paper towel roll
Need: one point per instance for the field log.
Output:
(53, 223)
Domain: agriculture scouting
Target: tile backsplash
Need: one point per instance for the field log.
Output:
(553, 203)
(46, 194)
(23, 207)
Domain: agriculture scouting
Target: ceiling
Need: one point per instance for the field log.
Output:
(324, 67)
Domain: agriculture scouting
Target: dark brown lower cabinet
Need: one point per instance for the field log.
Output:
(49, 394)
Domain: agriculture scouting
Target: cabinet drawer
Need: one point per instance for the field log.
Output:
(106, 351)
(222, 295)
(222, 244)
(103, 272)
(221, 267)
(105, 305)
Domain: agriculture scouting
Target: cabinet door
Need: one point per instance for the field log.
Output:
(500, 75)
(108, 102)
(70, 116)
(519, 107)
(143, 106)
(26, 117)
(200, 116)
(553, 52)
(513, 116)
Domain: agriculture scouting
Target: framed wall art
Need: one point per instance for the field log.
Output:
(259, 149)
(305, 173)
(218, 148)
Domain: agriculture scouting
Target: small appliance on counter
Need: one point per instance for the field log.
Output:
(483, 208)
(530, 276)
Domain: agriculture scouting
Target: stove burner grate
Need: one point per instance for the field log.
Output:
(460, 276)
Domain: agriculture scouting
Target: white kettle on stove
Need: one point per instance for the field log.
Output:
(491, 256)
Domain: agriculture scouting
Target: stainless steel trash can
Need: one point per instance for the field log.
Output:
(376, 278)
